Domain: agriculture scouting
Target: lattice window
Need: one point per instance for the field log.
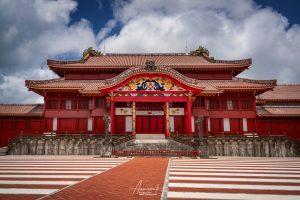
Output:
(214, 104)
(52, 104)
(102, 102)
(230, 104)
(83, 104)
(247, 105)
(199, 102)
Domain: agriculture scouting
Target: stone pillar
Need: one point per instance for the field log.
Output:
(112, 116)
(106, 148)
(107, 120)
(133, 119)
(167, 118)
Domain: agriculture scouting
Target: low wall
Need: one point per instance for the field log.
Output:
(92, 145)
(55, 146)
(271, 146)
(258, 147)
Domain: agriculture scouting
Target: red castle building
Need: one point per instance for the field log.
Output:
(154, 93)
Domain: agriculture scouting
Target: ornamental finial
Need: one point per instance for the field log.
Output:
(150, 64)
(201, 51)
(90, 51)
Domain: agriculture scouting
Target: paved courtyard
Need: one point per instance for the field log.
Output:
(88, 177)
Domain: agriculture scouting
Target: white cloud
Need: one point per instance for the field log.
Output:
(229, 29)
(30, 33)
(33, 31)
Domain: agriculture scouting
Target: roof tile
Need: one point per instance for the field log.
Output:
(21, 109)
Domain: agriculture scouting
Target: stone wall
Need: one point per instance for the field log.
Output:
(266, 147)
(55, 146)
(247, 146)
(61, 145)
(92, 145)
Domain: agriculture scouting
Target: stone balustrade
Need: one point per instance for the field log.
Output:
(92, 145)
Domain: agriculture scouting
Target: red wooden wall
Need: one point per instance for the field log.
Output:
(279, 126)
(11, 127)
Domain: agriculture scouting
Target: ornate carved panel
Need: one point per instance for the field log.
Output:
(151, 84)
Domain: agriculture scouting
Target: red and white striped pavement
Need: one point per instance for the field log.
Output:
(32, 177)
(234, 178)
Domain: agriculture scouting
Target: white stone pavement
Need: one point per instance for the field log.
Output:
(43, 175)
(234, 178)
(217, 178)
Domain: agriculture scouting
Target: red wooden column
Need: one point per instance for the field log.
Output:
(133, 118)
(167, 120)
(189, 117)
(112, 116)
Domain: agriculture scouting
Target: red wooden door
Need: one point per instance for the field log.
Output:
(146, 127)
(120, 124)
(179, 124)
(150, 124)
(49, 123)
(234, 125)
(99, 125)
(153, 124)
(160, 124)
(139, 124)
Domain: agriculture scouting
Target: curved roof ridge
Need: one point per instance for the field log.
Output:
(267, 82)
(140, 69)
(34, 82)
(289, 84)
(21, 104)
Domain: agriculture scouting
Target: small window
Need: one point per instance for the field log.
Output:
(91, 106)
(54, 125)
(226, 124)
(229, 105)
(68, 105)
(90, 124)
(245, 125)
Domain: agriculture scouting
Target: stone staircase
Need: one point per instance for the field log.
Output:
(150, 138)
(153, 143)
(3, 151)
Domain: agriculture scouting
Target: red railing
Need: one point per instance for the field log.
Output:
(164, 153)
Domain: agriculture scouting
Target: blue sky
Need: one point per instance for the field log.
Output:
(32, 31)
(98, 12)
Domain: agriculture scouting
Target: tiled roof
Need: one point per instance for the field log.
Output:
(132, 60)
(282, 93)
(21, 110)
(241, 83)
(278, 111)
(94, 86)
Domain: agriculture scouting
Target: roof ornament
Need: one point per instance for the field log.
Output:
(89, 52)
(202, 51)
(150, 64)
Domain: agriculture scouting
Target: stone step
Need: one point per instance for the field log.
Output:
(3, 151)
(150, 141)
(153, 145)
(150, 136)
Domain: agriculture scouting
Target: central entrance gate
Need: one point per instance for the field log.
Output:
(150, 117)
(150, 124)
